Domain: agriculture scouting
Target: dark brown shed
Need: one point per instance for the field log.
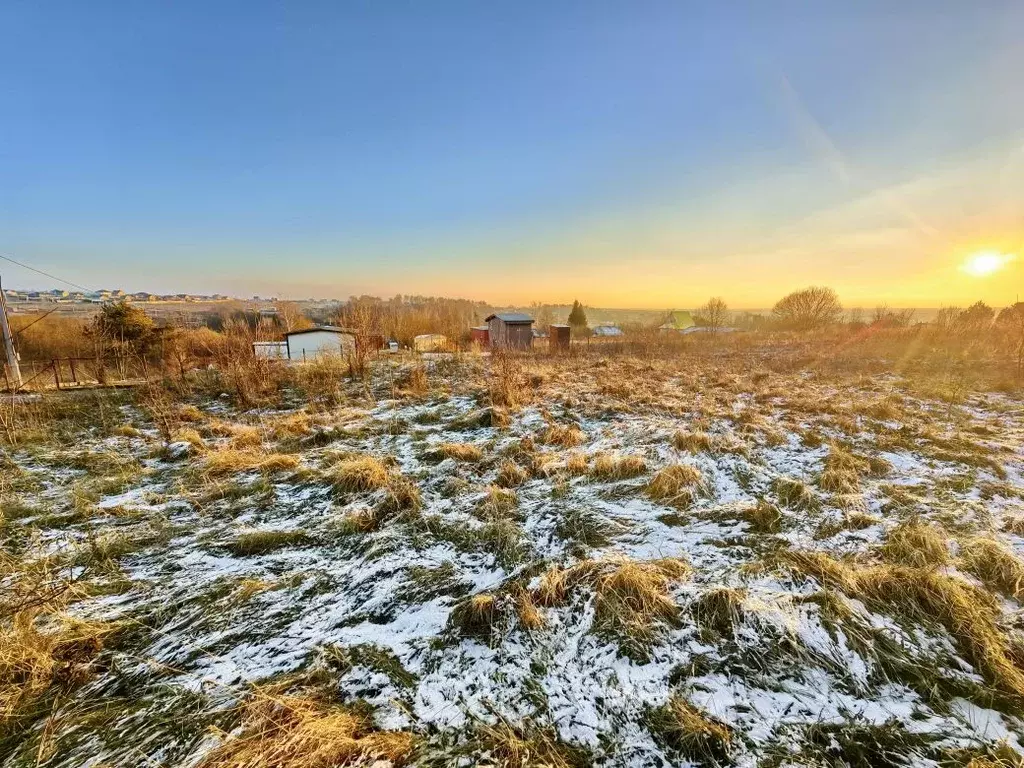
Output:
(510, 330)
(558, 337)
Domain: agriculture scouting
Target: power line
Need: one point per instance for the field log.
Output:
(45, 274)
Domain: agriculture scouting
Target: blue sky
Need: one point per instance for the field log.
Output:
(635, 154)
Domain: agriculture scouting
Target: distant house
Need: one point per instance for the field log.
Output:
(510, 330)
(607, 330)
(318, 340)
(678, 320)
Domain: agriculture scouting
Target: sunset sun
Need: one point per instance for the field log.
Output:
(984, 263)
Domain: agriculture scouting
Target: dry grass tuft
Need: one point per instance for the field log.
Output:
(498, 504)
(764, 517)
(402, 495)
(994, 564)
(461, 451)
(690, 732)
(718, 610)
(631, 598)
(301, 732)
(359, 474)
(477, 616)
(607, 466)
(678, 485)
(511, 475)
(697, 441)
(794, 494)
(969, 614)
(42, 653)
(842, 471)
(526, 610)
(577, 464)
(232, 461)
(916, 544)
(564, 435)
(525, 746)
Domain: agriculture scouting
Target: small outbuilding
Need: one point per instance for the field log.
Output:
(510, 330)
(559, 337)
(319, 340)
(607, 330)
(481, 335)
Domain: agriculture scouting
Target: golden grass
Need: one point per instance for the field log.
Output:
(764, 517)
(608, 466)
(526, 610)
(401, 495)
(969, 614)
(498, 504)
(302, 732)
(678, 485)
(690, 732)
(477, 616)
(564, 435)
(577, 463)
(358, 474)
(994, 564)
(42, 651)
(916, 544)
(631, 598)
(232, 461)
(696, 441)
(461, 451)
(794, 494)
(523, 747)
(511, 475)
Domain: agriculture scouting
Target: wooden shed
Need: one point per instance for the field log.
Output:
(510, 330)
(559, 337)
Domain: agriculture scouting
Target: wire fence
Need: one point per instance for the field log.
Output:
(80, 372)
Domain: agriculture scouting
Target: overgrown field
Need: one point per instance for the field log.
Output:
(518, 562)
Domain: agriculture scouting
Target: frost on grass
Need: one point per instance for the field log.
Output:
(716, 568)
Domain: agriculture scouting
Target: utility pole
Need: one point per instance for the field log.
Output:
(12, 356)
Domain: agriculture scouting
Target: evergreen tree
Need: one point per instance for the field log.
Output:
(578, 317)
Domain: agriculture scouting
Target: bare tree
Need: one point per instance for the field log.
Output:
(714, 314)
(291, 317)
(808, 309)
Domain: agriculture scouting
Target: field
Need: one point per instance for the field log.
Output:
(710, 556)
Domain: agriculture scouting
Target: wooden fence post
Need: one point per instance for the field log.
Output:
(74, 373)
(56, 372)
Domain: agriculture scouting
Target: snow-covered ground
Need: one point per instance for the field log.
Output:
(206, 622)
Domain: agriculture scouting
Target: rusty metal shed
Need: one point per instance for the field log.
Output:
(510, 330)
